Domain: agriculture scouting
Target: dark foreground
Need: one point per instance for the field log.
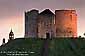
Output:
(44, 47)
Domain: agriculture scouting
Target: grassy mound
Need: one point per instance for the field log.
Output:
(36, 46)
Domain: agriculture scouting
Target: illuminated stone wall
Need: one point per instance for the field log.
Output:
(66, 23)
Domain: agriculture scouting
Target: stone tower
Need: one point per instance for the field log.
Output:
(61, 24)
(66, 23)
(46, 24)
(31, 23)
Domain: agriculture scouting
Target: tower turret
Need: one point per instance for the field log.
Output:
(31, 23)
(66, 23)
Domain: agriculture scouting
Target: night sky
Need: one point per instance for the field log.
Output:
(12, 14)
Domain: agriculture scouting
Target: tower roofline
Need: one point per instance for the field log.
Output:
(47, 11)
(32, 10)
(65, 10)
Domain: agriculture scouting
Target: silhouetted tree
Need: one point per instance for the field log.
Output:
(84, 34)
(79, 36)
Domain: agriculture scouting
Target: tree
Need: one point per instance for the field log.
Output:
(79, 36)
(84, 34)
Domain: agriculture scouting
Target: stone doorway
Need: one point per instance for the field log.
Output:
(47, 35)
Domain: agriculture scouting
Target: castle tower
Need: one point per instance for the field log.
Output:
(31, 23)
(46, 24)
(66, 23)
(61, 24)
(11, 35)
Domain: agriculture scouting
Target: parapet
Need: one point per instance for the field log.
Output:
(70, 11)
(33, 10)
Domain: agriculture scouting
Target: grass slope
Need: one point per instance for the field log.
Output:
(56, 47)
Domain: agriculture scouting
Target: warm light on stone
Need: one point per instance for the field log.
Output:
(66, 23)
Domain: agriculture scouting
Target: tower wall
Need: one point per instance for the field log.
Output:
(45, 24)
(31, 23)
(66, 23)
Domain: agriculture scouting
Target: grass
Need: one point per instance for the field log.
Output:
(56, 46)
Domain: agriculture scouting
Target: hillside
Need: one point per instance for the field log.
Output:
(43, 47)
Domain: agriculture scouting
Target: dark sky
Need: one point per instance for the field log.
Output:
(12, 13)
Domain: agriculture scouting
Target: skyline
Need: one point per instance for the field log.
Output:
(12, 14)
